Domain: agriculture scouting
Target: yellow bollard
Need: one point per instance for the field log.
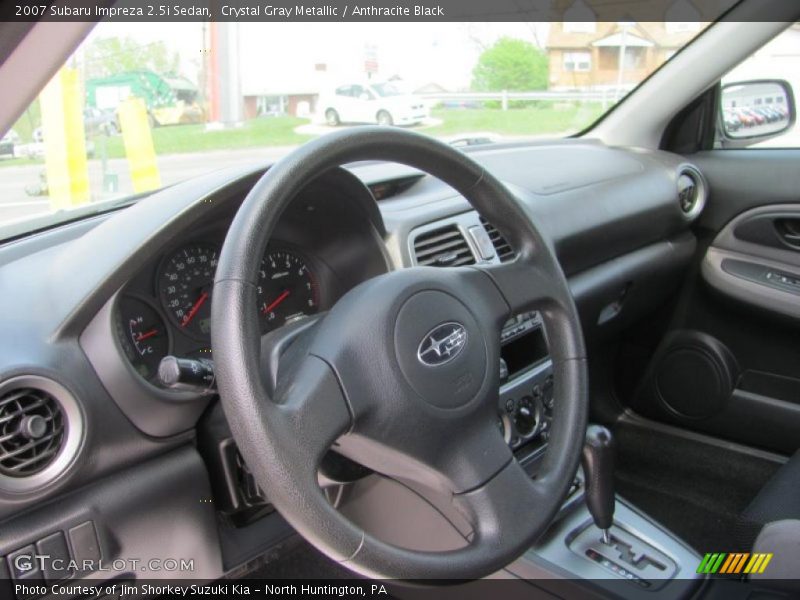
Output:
(138, 142)
(64, 141)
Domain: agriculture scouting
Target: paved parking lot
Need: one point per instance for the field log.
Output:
(16, 204)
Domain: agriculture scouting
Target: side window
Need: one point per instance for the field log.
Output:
(345, 90)
(756, 108)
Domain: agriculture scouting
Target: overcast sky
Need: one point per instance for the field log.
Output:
(421, 53)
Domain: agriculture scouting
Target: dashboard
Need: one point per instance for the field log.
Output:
(125, 289)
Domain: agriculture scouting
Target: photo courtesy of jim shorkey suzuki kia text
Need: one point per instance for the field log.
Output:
(157, 590)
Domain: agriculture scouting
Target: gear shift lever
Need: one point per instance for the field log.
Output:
(598, 467)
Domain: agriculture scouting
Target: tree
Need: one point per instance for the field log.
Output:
(112, 55)
(510, 64)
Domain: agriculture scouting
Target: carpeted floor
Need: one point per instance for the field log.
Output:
(693, 488)
(300, 560)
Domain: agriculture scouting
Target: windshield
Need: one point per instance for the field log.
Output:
(139, 106)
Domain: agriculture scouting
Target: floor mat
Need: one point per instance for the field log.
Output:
(693, 488)
(300, 560)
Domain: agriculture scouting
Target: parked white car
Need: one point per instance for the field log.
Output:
(381, 103)
(8, 142)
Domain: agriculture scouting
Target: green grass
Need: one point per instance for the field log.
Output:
(179, 139)
(547, 119)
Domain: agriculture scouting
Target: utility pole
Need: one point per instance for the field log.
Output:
(623, 47)
(225, 82)
(212, 74)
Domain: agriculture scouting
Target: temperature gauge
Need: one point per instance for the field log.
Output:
(143, 334)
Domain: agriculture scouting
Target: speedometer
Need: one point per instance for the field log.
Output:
(287, 289)
(185, 284)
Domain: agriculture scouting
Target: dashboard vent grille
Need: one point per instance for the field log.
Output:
(31, 431)
(504, 250)
(687, 193)
(445, 247)
(692, 192)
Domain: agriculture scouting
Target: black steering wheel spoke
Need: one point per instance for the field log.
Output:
(312, 409)
(535, 282)
(496, 508)
(432, 456)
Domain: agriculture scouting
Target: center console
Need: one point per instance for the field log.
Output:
(602, 544)
(526, 377)
(597, 546)
(640, 560)
(598, 543)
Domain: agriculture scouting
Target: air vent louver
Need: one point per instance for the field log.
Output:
(687, 193)
(445, 247)
(503, 249)
(31, 431)
(691, 192)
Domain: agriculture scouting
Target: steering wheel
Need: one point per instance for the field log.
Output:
(401, 375)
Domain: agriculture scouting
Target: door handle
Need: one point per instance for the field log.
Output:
(788, 230)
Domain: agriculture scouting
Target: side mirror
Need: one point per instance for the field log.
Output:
(365, 96)
(753, 111)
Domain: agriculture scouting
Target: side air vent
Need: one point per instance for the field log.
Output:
(691, 192)
(40, 432)
(444, 247)
(503, 249)
(31, 431)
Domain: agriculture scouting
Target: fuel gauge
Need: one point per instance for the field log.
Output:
(143, 334)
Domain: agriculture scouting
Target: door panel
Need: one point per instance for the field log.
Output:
(743, 179)
(729, 361)
(756, 259)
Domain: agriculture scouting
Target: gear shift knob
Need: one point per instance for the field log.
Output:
(598, 467)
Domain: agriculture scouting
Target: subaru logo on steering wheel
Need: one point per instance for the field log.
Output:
(442, 344)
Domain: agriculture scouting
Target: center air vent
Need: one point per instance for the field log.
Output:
(691, 192)
(503, 249)
(444, 247)
(40, 432)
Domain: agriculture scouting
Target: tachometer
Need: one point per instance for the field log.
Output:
(185, 284)
(143, 334)
(286, 289)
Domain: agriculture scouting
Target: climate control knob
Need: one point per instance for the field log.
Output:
(527, 416)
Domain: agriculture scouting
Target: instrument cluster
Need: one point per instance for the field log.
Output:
(168, 311)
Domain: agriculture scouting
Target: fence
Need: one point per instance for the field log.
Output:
(605, 96)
